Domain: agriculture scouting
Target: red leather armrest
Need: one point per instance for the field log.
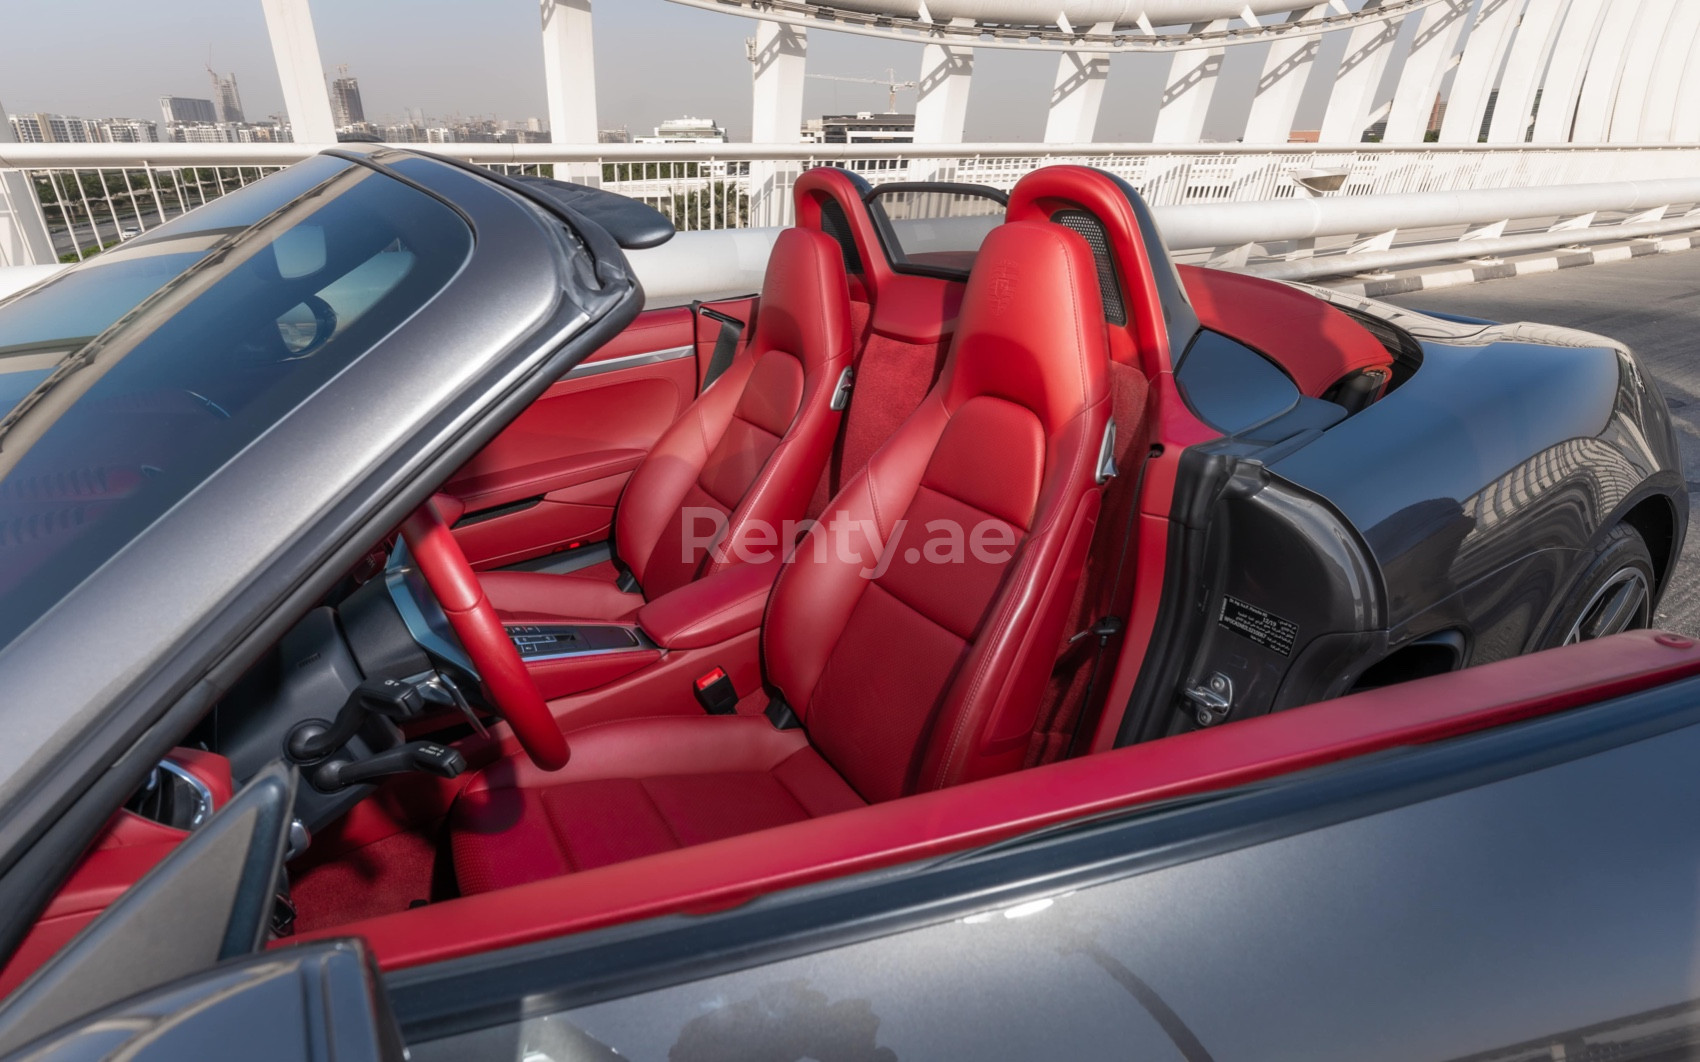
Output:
(712, 609)
(486, 489)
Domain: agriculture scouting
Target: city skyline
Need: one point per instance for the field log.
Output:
(431, 57)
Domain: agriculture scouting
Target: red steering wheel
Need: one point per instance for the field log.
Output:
(481, 633)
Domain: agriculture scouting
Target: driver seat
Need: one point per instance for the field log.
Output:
(745, 456)
(909, 637)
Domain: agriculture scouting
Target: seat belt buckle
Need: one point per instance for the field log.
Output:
(715, 693)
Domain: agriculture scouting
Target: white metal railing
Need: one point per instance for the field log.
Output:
(1245, 204)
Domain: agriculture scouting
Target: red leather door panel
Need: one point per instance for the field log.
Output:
(551, 479)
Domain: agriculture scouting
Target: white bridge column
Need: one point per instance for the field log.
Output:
(1605, 69)
(1356, 79)
(300, 72)
(569, 71)
(1419, 79)
(1187, 95)
(1076, 97)
(1484, 54)
(1571, 51)
(947, 73)
(1275, 100)
(24, 239)
(781, 61)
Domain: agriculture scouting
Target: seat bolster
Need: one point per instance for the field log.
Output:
(657, 490)
(823, 580)
(991, 706)
(655, 747)
(781, 492)
(543, 597)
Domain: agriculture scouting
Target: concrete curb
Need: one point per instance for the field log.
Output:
(1381, 287)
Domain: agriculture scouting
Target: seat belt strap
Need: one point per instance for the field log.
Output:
(725, 344)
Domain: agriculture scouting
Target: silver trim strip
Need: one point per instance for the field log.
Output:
(630, 361)
(203, 795)
(643, 644)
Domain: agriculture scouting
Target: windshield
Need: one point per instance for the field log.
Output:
(127, 381)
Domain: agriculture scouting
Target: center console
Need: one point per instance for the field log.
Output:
(568, 658)
(549, 641)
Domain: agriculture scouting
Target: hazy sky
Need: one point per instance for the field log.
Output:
(654, 60)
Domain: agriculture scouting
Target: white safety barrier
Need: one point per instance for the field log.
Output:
(1238, 206)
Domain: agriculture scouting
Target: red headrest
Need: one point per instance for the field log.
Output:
(805, 302)
(1050, 189)
(1032, 324)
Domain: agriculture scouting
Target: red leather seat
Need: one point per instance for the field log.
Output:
(911, 633)
(747, 453)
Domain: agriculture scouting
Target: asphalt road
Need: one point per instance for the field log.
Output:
(1652, 304)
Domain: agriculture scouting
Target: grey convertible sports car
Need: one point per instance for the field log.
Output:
(987, 640)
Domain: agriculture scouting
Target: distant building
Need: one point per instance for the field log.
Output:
(129, 131)
(1436, 117)
(864, 127)
(65, 129)
(227, 101)
(613, 136)
(346, 108)
(1304, 136)
(201, 133)
(686, 131)
(187, 109)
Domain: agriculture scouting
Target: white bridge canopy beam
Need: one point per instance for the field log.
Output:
(1644, 42)
(300, 72)
(1076, 97)
(1419, 79)
(1658, 114)
(1605, 70)
(1187, 94)
(1572, 48)
(1286, 68)
(1529, 55)
(569, 71)
(941, 111)
(1484, 54)
(1356, 79)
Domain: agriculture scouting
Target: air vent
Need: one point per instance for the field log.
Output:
(1092, 231)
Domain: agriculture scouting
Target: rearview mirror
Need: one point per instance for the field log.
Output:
(300, 252)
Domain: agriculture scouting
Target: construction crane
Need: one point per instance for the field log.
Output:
(889, 81)
(892, 85)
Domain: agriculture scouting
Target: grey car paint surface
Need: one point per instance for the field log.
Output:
(1555, 890)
